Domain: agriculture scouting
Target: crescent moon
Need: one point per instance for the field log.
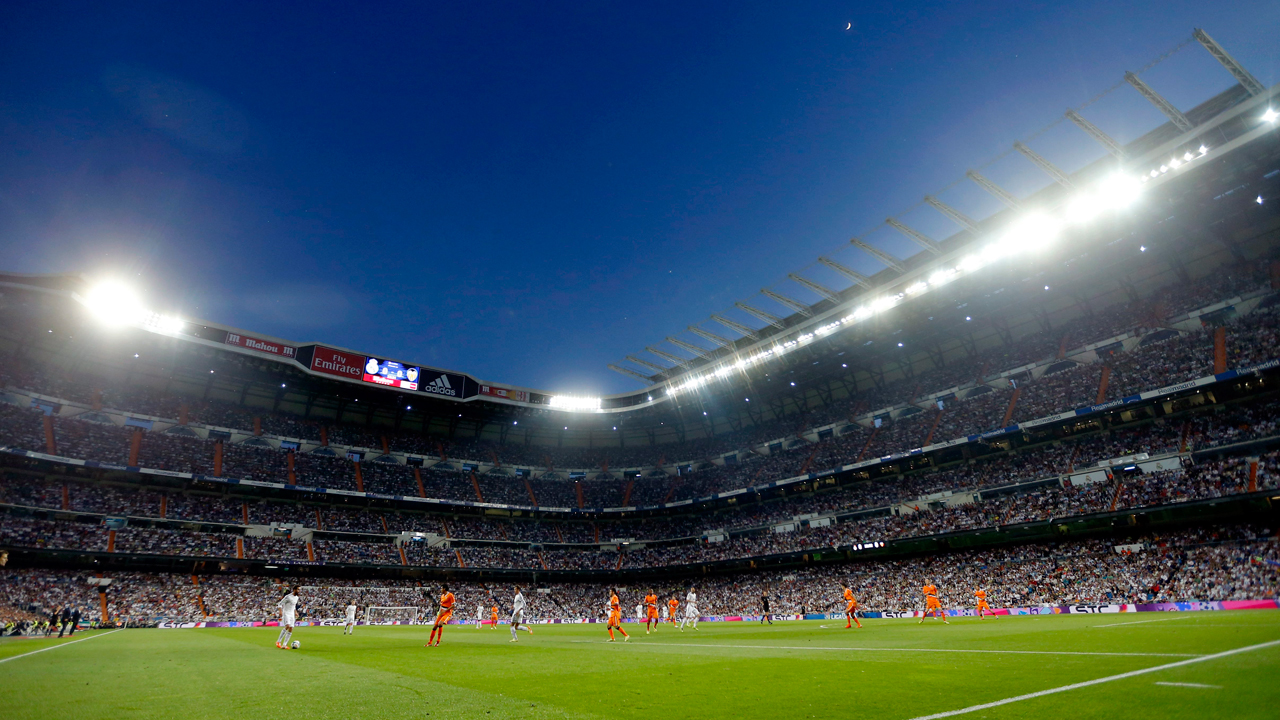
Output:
(850, 27)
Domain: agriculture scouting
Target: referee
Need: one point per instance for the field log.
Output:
(764, 609)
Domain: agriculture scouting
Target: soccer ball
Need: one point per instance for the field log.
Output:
(296, 645)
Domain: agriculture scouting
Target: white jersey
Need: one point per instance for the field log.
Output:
(517, 605)
(351, 613)
(691, 604)
(288, 606)
(640, 611)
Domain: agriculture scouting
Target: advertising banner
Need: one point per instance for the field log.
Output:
(337, 362)
(266, 346)
(508, 394)
(442, 383)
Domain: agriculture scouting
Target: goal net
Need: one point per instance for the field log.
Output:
(381, 615)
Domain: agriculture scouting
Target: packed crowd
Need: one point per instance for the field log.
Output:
(1232, 563)
(1163, 357)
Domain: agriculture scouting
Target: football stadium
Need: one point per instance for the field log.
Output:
(1028, 468)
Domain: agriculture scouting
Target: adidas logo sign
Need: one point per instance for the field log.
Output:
(440, 386)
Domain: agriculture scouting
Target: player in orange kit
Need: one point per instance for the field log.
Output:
(672, 604)
(983, 607)
(650, 611)
(493, 617)
(931, 604)
(442, 617)
(615, 617)
(851, 608)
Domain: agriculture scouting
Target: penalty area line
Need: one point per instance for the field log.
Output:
(59, 645)
(1098, 681)
(714, 646)
(1140, 622)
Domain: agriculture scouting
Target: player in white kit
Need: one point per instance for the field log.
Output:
(288, 609)
(349, 627)
(479, 615)
(640, 616)
(690, 609)
(517, 615)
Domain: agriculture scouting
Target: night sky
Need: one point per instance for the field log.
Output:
(528, 192)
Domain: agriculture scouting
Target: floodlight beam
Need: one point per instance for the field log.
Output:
(721, 341)
(675, 359)
(1097, 134)
(850, 273)
(736, 327)
(700, 352)
(1041, 162)
(1244, 77)
(825, 292)
(1174, 114)
(646, 363)
(1000, 193)
(875, 252)
(764, 315)
(793, 304)
(955, 215)
(916, 236)
(627, 371)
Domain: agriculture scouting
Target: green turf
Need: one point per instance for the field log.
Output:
(725, 670)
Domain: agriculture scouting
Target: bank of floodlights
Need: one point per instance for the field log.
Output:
(116, 305)
(1029, 234)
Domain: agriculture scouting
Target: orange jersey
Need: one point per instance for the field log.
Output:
(930, 591)
(848, 595)
(673, 604)
(614, 605)
(981, 594)
(494, 611)
(447, 600)
(651, 601)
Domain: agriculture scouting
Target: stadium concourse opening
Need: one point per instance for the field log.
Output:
(966, 483)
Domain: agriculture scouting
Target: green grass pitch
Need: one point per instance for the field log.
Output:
(890, 669)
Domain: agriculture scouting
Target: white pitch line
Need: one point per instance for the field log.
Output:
(1139, 622)
(926, 650)
(1190, 685)
(55, 647)
(1099, 681)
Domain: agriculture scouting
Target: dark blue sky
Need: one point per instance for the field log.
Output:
(527, 192)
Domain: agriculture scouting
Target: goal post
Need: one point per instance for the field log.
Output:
(391, 615)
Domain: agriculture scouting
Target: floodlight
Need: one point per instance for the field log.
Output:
(114, 303)
(1119, 190)
(917, 288)
(1033, 231)
(570, 402)
(1082, 208)
(171, 324)
(1270, 115)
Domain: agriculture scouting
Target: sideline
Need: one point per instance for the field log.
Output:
(1139, 622)
(1099, 681)
(59, 645)
(887, 649)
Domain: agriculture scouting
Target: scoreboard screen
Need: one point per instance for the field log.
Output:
(391, 373)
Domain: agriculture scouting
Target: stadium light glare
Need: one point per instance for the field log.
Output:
(1270, 115)
(1034, 231)
(1119, 191)
(1082, 208)
(575, 403)
(114, 304)
(917, 288)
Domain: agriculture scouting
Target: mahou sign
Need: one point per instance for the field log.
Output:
(337, 362)
(265, 346)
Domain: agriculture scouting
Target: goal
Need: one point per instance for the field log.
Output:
(383, 615)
